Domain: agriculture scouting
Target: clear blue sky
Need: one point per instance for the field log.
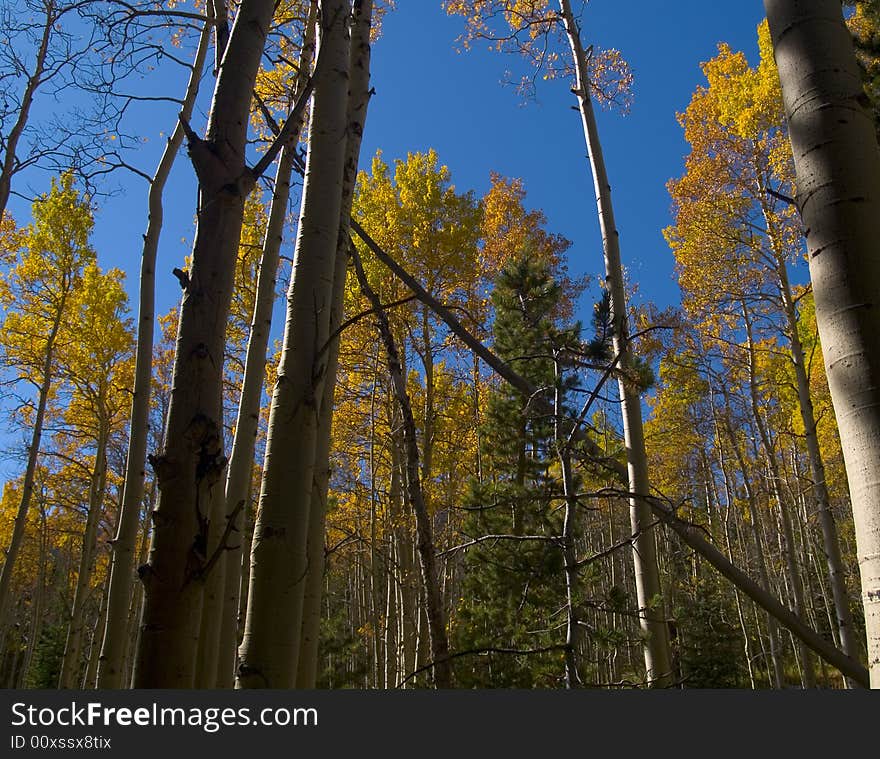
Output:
(430, 95)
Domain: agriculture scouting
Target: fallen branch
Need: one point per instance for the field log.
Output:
(688, 533)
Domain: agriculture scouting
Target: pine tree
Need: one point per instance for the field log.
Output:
(512, 584)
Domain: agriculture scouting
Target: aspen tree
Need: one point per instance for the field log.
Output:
(269, 651)
(837, 162)
(113, 646)
(358, 100)
(94, 362)
(530, 26)
(238, 480)
(191, 464)
(36, 295)
(651, 607)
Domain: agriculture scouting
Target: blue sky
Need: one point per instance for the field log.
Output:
(430, 95)
(427, 95)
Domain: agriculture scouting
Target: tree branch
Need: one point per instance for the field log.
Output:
(293, 119)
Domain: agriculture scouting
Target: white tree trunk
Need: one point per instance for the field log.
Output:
(111, 669)
(238, 480)
(652, 617)
(190, 468)
(358, 100)
(70, 668)
(838, 175)
(270, 648)
(30, 471)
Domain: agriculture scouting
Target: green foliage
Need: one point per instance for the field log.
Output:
(864, 24)
(707, 641)
(343, 654)
(48, 653)
(513, 587)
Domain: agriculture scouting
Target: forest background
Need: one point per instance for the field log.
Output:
(727, 442)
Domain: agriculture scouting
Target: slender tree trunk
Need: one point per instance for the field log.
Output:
(772, 630)
(269, 652)
(240, 471)
(37, 617)
(830, 539)
(70, 669)
(728, 516)
(112, 657)
(397, 559)
(136, 601)
(391, 639)
(27, 487)
(374, 561)
(436, 621)
(477, 419)
(428, 410)
(650, 599)
(407, 604)
(190, 468)
(358, 100)
(569, 556)
(91, 673)
(747, 645)
(794, 578)
(35, 79)
(838, 175)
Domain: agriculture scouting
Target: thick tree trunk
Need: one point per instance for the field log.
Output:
(238, 481)
(358, 100)
(111, 664)
(651, 607)
(838, 175)
(190, 468)
(269, 652)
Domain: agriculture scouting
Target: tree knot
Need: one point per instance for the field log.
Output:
(206, 441)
